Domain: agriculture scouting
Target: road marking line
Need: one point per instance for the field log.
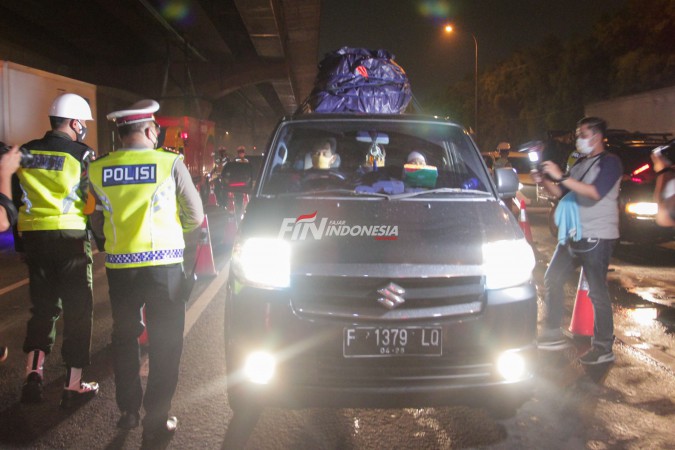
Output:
(195, 311)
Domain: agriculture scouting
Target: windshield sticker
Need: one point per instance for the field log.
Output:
(306, 225)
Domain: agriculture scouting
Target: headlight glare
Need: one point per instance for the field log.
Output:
(645, 209)
(511, 366)
(507, 263)
(259, 367)
(263, 262)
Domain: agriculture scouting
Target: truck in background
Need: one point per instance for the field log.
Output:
(647, 112)
(26, 95)
(195, 139)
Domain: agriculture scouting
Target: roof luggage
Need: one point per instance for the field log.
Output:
(358, 80)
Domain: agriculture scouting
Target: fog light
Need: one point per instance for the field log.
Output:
(511, 366)
(259, 367)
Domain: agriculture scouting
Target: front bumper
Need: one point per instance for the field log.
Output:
(312, 370)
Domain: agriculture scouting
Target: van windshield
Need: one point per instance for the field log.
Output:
(386, 156)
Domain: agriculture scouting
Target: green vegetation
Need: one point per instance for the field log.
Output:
(546, 87)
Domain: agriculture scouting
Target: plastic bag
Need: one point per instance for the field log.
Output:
(358, 80)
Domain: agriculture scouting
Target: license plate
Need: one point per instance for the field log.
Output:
(368, 342)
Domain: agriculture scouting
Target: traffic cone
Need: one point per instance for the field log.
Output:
(143, 338)
(204, 265)
(524, 223)
(582, 315)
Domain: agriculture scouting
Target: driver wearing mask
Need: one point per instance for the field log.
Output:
(323, 155)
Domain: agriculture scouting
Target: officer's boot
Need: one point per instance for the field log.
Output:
(76, 391)
(32, 387)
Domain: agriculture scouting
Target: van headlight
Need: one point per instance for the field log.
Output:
(507, 263)
(263, 262)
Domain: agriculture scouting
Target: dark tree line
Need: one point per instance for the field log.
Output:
(546, 87)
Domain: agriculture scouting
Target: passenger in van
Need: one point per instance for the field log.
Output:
(323, 155)
(416, 157)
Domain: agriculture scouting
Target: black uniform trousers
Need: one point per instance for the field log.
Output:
(158, 288)
(60, 275)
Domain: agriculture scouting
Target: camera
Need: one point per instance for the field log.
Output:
(26, 155)
(533, 150)
(667, 151)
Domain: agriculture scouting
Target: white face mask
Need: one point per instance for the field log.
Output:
(584, 146)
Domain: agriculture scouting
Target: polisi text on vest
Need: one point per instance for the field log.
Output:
(132, 174)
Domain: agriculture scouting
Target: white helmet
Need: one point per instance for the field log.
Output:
(71, 106)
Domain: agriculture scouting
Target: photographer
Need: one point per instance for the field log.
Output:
(589, 212)
(664, 192)
(9, 163)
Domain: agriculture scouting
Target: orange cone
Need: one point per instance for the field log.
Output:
(143, 338)
(582, 315)
(204, 265)
(524, 223)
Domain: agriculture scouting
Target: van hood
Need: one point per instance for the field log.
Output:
(380, 232)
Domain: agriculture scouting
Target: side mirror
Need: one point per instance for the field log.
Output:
(237, 176)
(507, 182)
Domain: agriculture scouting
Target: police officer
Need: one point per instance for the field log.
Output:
(503, 148)
(52, 227)
(241, 154)
(142, 195)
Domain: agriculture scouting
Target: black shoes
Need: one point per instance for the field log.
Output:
(596, 355)
(86, 392)
(32, 389)
(159, 435)
(128, 420)
(4, 352)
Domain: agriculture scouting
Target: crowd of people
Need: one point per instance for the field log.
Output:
(65, 194)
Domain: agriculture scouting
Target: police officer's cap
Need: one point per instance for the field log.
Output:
(141, 111)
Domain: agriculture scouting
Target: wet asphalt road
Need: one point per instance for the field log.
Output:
(631, 405)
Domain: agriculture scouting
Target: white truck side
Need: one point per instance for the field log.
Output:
(25, 97)
(647, 112)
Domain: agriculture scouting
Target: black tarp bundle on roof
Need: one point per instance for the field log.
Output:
(358, 80)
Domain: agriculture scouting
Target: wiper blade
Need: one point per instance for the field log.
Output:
(349, 192)
(439, 191)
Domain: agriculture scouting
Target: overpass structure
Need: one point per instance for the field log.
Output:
(239, 63)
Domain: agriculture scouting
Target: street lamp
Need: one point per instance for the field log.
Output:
(449, 29)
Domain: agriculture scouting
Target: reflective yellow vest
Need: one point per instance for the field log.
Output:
(51, 200)
(138, 193)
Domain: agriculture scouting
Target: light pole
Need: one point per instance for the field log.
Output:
(449, 29)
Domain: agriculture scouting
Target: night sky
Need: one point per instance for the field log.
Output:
(412, 31)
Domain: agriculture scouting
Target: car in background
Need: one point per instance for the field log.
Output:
(535, 194)
(637, 208)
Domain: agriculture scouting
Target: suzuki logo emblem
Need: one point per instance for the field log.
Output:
(391, 296)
